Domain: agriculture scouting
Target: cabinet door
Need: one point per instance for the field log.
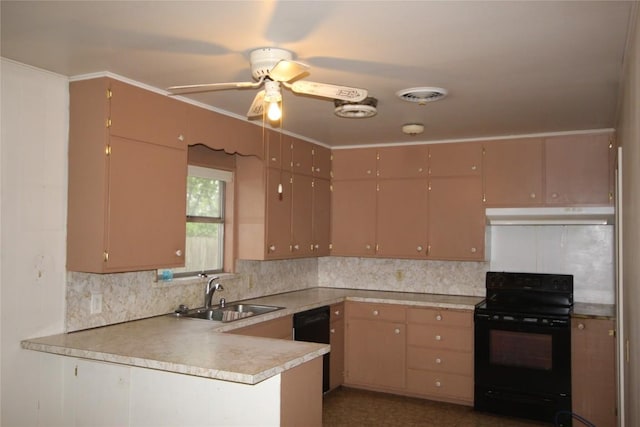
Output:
(278, 217)
(456, 218)
(403, 162)
(357, 163)
(321, 162)
(353, 218)
(301, 156)
(402, 218)
(321, 216)
(455, 159)
(375, 353)
(302, 215)
(146, 206)
(336, 357)
(578, 170)
(593, 370)
(147, 116)
(278, 147)
(513, 173)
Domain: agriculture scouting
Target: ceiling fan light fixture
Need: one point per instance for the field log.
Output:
(413, 129)
(422, 95)
(264, 59)
(356, 110)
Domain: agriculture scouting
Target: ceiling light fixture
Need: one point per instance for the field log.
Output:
(413, 129)
(273, 96)
(356, 110)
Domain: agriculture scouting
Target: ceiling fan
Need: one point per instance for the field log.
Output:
(273, 67)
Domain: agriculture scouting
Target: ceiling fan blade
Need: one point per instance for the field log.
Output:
(179, 90)
(285, 70)
(343, 93)
(257, 106)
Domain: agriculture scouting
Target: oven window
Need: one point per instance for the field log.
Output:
(521, 349)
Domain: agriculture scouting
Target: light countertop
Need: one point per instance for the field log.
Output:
(197, 347)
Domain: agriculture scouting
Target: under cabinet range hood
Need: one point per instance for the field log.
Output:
(597, 215)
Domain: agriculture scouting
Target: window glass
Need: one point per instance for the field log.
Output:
(204, 250)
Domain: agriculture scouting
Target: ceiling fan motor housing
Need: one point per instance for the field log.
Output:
(264, 59)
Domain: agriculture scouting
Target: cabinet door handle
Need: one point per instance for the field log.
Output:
(438, 384)
(438, 360)
(179, 252)
(180, 137)
(376, 312)
(419, 248)
(581, 326)
(554, 195)
(438, 317)
(337, 312)
(438, 338)
(474, 167)
(272, 248)
(474, 250)
(296, 247)
(396, 331)
(532, 195)
(333, 331)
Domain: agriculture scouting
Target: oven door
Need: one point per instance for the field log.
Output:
(522, 367)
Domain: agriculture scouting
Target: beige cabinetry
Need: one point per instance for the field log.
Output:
(281, 328)
(579, 170)
(282, 214)
(574, 170)
(336, 340)
(420, 202)
(127, 178)
(375, 353)
(513, 172)
(440, 354)
(593, 371)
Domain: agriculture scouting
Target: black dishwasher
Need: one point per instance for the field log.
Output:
(313, 326)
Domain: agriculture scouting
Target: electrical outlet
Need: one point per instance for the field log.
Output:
(96, 303)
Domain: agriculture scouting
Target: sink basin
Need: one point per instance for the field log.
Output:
(230, 312)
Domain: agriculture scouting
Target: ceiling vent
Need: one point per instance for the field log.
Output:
(356, 110)
(422, 95)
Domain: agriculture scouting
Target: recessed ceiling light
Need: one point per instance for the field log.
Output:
(356, 110)
(422, 95)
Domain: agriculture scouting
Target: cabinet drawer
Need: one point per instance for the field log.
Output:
(430, 359)
(440, 337)
(435, 316)
(281, 328)
(337, 312)
(385, 312)
(440, 384)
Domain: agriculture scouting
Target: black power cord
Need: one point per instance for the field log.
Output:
(572, 415)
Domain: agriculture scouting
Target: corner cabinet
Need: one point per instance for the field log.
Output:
(127, 178)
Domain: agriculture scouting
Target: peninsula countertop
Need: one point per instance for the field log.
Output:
(198, 347)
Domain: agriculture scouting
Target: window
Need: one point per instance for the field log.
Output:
(204, 250)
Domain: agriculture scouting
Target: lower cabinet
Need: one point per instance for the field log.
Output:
(440, 354)
(375, 346)
(280, 328)
(422, 352)
(336, 340)
(593, 370)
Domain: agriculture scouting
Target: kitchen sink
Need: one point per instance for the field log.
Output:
(230, 312)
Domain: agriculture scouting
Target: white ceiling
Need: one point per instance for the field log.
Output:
(511, 68)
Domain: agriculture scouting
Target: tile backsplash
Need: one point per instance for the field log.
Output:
(584, 251)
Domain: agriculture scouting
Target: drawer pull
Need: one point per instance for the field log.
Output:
(396, 331)
(438, 317)
(179, 252)
(438, 338)
(581, 326)
(337, 312)
(333, 331)
(438, 360)
(438, 384)
(376, 312)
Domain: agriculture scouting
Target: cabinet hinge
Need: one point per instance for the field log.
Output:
(377, 156)
(330, 246)
(108, 123)
(313, 184)
(377, 247)
(484, 151)
(109, 94)
(612, 332)
(331, 174)
(105, 256)
(484, 198)
(377, 187)
(610, 196)
(291, 180)
(313, 151)
(107, 150)
(331, 188)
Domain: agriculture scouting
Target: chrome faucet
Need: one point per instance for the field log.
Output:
(210, 289)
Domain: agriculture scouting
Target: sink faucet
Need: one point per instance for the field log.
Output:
(209, 290)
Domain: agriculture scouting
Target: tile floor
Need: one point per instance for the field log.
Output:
(352, 407)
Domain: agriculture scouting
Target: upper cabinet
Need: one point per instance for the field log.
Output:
(356, 163)
(459, 159)
(579, 170)
(127, 178)
(573, 170)
(407, 162)
(513, 172)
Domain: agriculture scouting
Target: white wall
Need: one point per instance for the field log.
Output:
(33, 151)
